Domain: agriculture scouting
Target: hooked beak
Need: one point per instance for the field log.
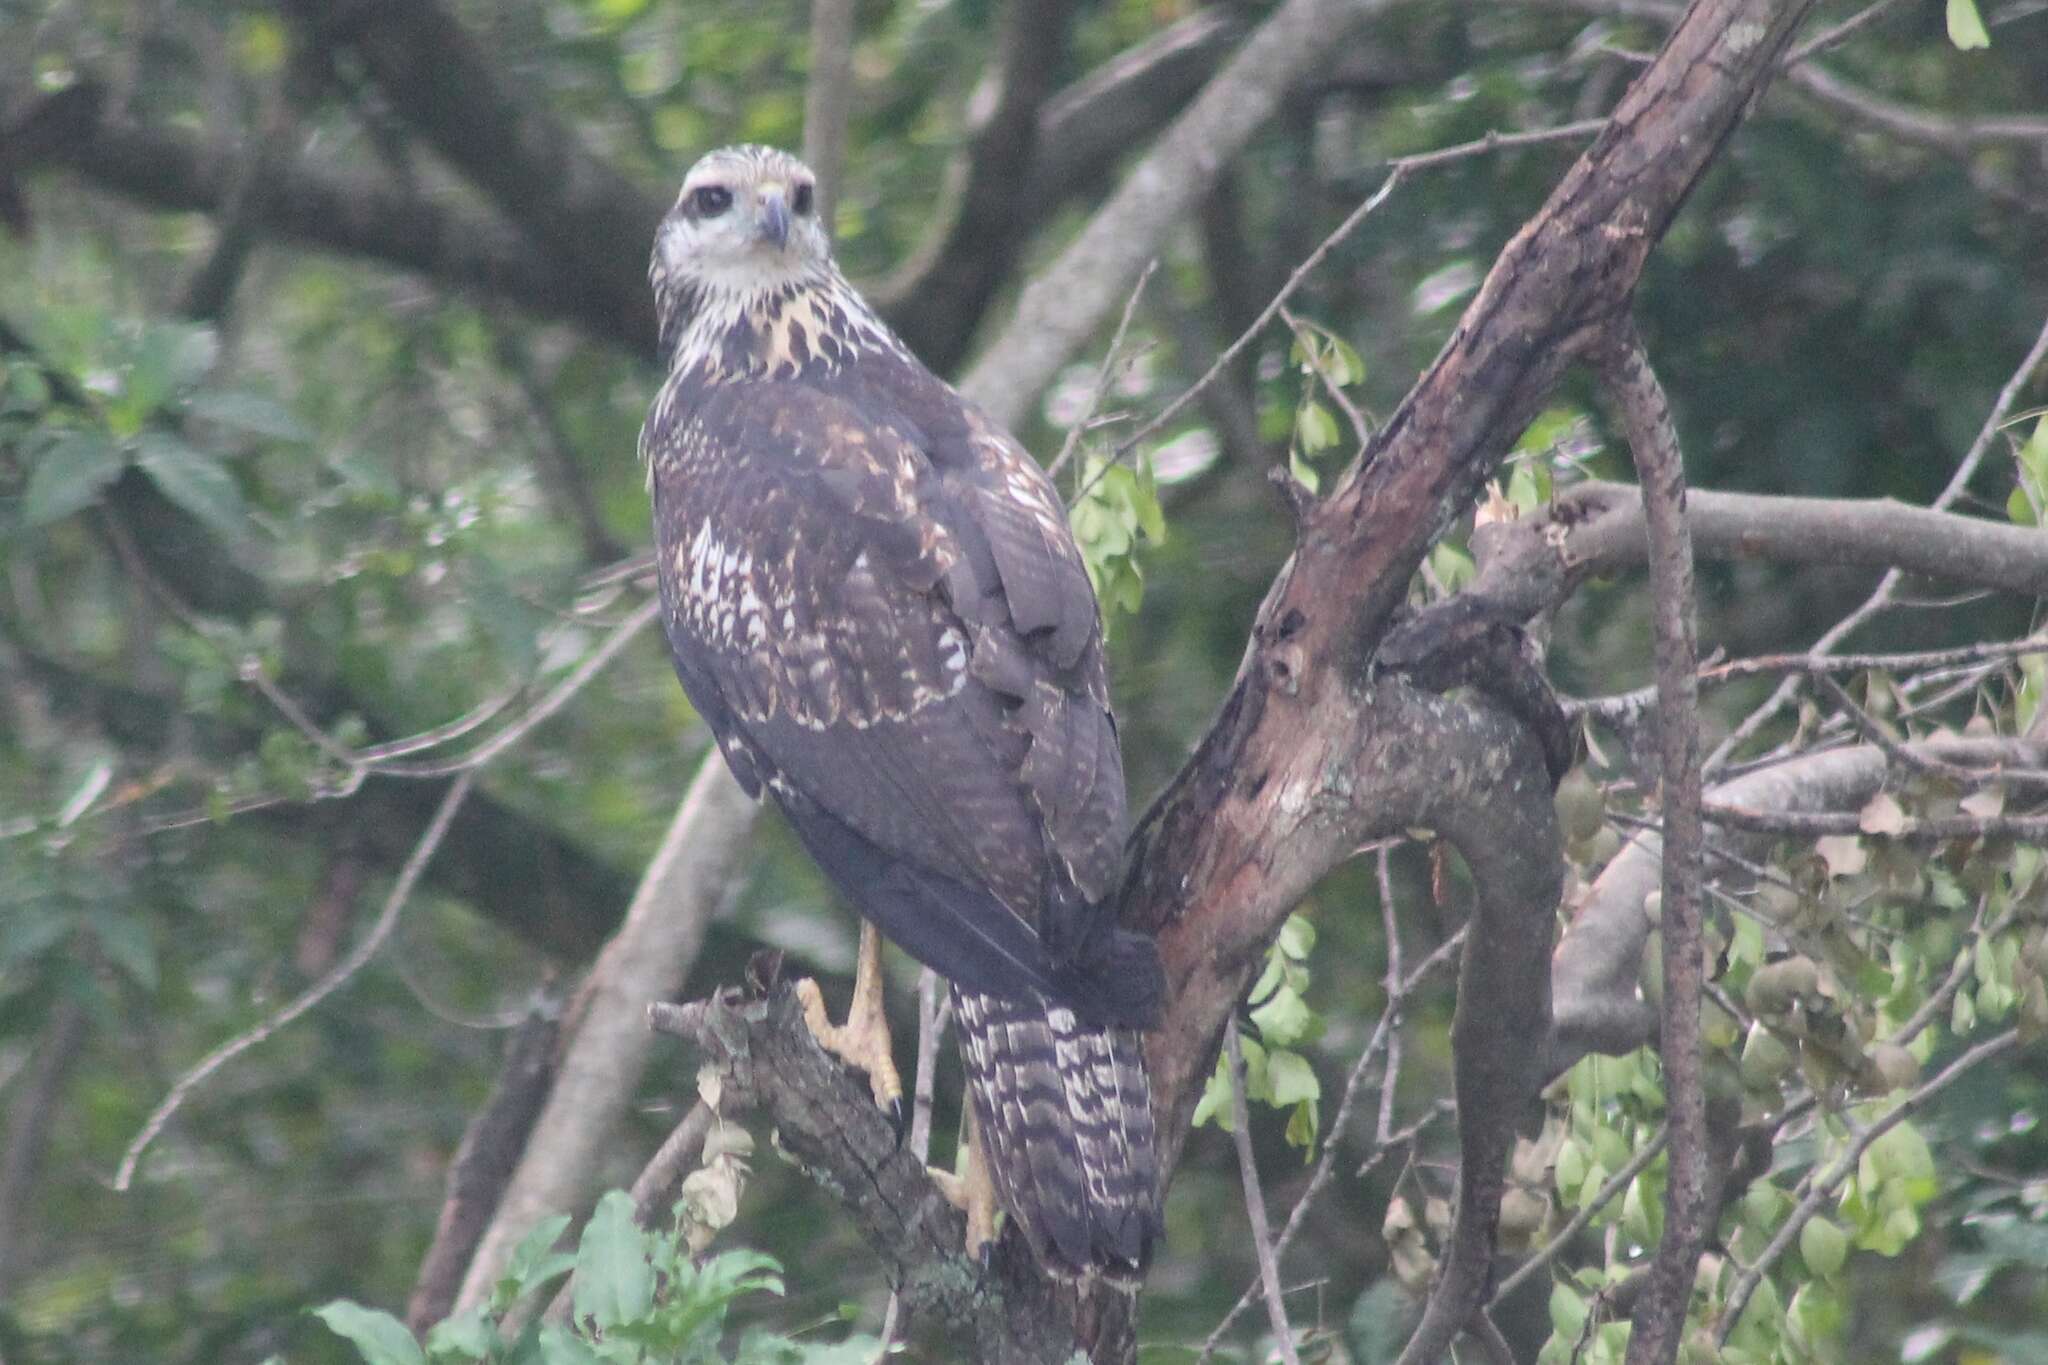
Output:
(774, 223)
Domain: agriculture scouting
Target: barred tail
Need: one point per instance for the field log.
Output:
(1066, 1120)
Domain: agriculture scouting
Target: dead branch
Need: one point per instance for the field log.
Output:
(1594, 529)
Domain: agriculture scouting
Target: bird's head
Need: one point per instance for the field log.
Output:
(745, 222)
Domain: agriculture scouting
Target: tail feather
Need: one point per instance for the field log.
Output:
(1066, 1120)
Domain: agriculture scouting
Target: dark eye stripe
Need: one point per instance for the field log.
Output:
(709, 201)
(801, 199)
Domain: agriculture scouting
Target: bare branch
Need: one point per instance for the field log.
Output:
(1881, 597)
(1659, 1317)
(387, 920)
(1956, 134)
(484, 1162)
(938, 296)
(1593, 529)
(1255, 1199)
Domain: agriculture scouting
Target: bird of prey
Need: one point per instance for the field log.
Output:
(875, 602)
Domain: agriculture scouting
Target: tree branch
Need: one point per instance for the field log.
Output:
(490, 1150)
(829, 1125)
(608, 1044)
(1659, 1317)
(938, 296)
(1530, 564)
(571, 203)
(1066, 301)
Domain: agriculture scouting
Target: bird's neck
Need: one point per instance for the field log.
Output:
(812, 324)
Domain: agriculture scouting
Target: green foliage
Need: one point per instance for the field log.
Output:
(1327, 363)
(638, 1298)
(1116, 512)
(1275, 1072)
(1965, 26)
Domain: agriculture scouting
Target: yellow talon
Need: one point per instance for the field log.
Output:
(972, 1192)
(863, 1040)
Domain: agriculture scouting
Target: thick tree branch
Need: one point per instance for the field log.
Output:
(356, 213)
(1594, 529)
(568, 201)
(1091, 277)
(940, 294)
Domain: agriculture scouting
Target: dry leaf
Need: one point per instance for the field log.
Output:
(1843, 853)
(1882, 815)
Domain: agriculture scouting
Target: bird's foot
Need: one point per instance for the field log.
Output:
(974, 1194)
(862, 1042)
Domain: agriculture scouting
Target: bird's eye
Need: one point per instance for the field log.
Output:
(800, 200)
(710, 200)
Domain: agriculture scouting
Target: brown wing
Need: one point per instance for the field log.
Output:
(840, 612)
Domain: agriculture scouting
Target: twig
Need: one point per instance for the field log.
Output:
(558, 697)
(1444, 953)
(1815, 824)
(387, 920)
(1659, 1315)
(1834, 36)
(1105, 376)
(1605, 1195)
(1881, 596)
(1254, 1201)
(1819, 1186)
(1391, 922)
(654, 1189)
(1397, 169)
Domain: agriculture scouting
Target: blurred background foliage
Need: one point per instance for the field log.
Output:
(392, 500)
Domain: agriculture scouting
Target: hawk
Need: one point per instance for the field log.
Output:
(875, 602)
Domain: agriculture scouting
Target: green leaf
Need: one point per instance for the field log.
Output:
(1290, 1078)
(614, 1283)
(196, 482)
(1304, 473)
(1285, 1019)
(534, 1262)
(69, 476)
(467, 1334)
(381, 1338)
(125, 940)
(1966, 26)
(1824, 1247)
(1314, 427)
(560, 1347)
(248, 412)
(1567, 1310)
(1297, 937)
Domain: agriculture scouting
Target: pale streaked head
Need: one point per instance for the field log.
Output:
(746, 221)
